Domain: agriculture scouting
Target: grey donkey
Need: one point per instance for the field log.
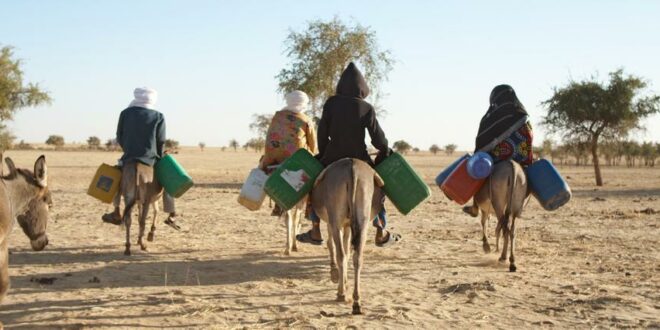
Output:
(24, 194)
(347, 196)
(503, 194)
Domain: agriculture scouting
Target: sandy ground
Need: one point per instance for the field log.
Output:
(593, 263)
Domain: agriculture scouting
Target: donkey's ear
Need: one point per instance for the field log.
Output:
(12, 169)
(41, 171)
(378, 180)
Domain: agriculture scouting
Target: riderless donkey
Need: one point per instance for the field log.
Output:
(347, 196)
(504, 195)
(23, 194)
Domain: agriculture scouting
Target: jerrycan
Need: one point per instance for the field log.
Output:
(293, 179)
(172, 176)
(445, 173)
(460, 186)
(547, 185)
(252, 193)
(105, 184)
(403, 186)
(480, 165)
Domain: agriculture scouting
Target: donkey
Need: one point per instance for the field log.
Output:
(504, 195)
(139, 186)
(292, 219)
(347, 196)
(23, 193)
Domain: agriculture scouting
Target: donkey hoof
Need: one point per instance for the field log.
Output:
(127, 252)
(286, 252)
(341, 298)
(512, 268)
(357, 310)
(294, 249)
(143, 247)
(334, 275)
(486, 248)
(150, 237)
(501, 260)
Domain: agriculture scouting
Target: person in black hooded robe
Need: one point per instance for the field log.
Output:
(504, 132)
(341, 134)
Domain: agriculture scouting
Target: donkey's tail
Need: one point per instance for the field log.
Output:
(356, 228)
(509, 203)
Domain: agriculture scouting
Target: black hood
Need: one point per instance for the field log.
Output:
(352, 83)
(504, 94)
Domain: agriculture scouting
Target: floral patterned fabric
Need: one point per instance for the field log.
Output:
(518, 146)
(288, 132)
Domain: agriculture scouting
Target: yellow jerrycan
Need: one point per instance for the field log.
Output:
(105, 185)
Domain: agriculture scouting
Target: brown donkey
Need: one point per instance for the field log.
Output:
(347, 196)
(139, 186)
(24, 195)
(504, 195)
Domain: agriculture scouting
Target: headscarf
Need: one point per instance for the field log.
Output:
(296, 101)
(144, 98)
(505, 115)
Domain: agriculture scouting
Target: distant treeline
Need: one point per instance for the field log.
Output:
(614, 153)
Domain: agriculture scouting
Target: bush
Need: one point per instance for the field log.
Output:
(55, 140)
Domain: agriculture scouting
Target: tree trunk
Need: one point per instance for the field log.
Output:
(594, 154)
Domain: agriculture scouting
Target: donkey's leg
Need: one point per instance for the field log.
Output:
(127, 222)
(288, 220)
(512, 234)
(484, 231)
(152, 232)
(505, 236)
(357, 264)
(341, 259)
(498, 232)
(347, 244)
(142, 220)
(334, 271)
(297, 216)
(4, 270)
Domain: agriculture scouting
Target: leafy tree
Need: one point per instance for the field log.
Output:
(171, 145)
(401, 146)
(93, 142)
(202, 145)
(648, 153)
(260, 124)
(434, 149)
(6, 138)
(14, 94)
(258, 144)
(321, 51)
(590, 110)
(112, 145)
(234, 144)
(546, 148)
(55, 140)
(450, 148)
(415, 150)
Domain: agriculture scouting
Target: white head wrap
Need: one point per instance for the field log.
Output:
(144, 97)
(296, 101)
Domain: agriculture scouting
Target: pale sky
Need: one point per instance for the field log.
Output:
(214, 62)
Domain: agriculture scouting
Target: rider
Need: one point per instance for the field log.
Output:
(141, 135)
(289, 130)
(504, 132)
(345, 117)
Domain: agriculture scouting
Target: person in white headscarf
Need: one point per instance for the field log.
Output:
(141, 135)
(289, 130)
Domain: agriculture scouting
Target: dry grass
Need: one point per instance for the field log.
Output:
(592, 263)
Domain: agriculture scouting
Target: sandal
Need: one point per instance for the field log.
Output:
(307, 238)
(392, 239)
(470, 210)
(170, 222)
(111, 218)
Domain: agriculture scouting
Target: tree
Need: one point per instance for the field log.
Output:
(546, 149)
(434, 149)
(257, 144)
(321, 51)
(112, 145)
(14, 94)
(202, 145)
(401, 146)
(94, 142)
(234, 144)
(55, 140)
(171, 145)
(450, 148)
(260, 124)
(6, 138)
(590, 110)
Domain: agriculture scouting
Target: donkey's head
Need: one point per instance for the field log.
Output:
(31, 200)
